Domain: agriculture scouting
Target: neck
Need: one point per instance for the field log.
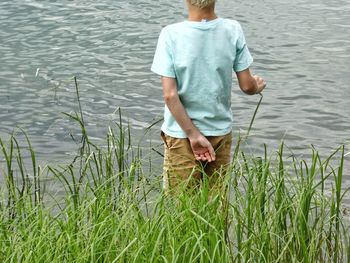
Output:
(197, 14)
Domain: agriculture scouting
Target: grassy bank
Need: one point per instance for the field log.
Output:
(113, 209)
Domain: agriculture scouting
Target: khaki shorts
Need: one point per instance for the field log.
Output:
(181, 167)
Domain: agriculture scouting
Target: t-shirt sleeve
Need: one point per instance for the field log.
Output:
(243, 57)
(163, 60)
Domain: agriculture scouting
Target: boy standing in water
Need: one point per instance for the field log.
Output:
(196, 59)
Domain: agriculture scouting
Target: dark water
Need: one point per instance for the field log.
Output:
(302, 49)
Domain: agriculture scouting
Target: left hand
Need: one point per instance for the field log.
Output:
(202, 148)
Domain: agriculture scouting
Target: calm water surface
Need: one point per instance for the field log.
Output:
(301, 47)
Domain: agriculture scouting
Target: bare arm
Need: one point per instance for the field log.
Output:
(250, 84)
(201, 147)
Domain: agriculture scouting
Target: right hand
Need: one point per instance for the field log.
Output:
(202, 148)
(261, 83)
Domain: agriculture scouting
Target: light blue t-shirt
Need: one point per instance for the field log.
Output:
(202, 57)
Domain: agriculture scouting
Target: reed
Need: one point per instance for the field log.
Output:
(277, 208)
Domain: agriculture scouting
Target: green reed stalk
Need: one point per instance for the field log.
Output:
(254, 115)
(338, 194)
(9, 178)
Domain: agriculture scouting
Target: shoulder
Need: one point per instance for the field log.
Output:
(232, 24)
(171, 32)
(233, 29)
(173, 27)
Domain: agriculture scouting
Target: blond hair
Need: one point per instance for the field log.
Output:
(201, 3)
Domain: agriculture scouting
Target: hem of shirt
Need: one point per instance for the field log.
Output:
(182, 135)
(244, 66)
(162, 73)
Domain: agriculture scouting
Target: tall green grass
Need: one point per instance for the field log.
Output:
(277, 208)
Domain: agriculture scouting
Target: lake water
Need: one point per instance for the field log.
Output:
(301, 47)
